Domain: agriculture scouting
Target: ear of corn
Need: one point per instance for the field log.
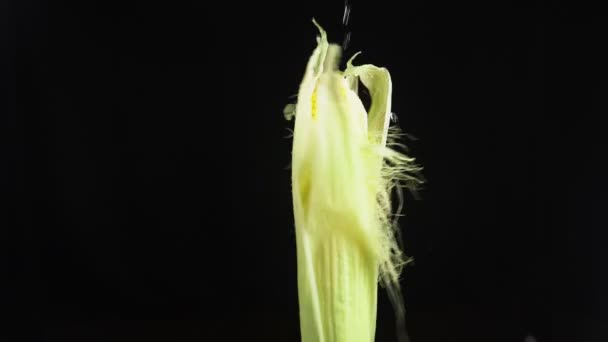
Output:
(343, 174)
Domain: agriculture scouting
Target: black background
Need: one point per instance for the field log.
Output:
(146, 165)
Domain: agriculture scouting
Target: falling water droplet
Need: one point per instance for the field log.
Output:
(346, 15)
(346, 41)
(345, 18)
